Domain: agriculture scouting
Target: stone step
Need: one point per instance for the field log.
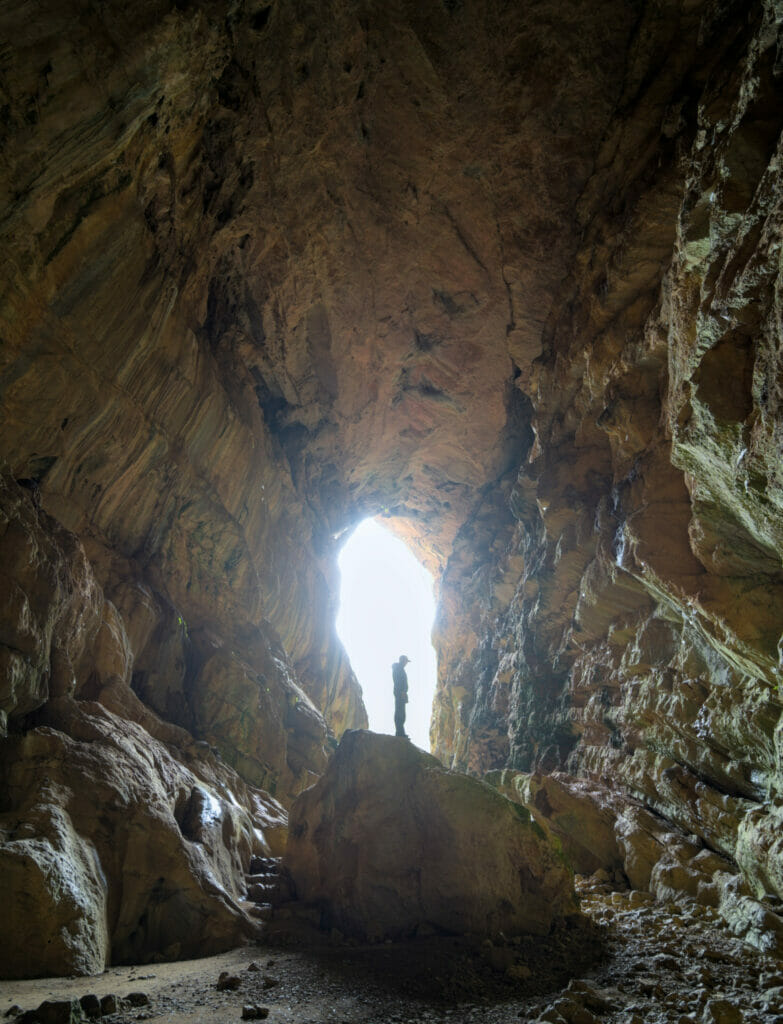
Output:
(263, 911)
(261, 893)
(275, 892)
(259, 865)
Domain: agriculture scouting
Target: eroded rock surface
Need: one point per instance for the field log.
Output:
(389, 844)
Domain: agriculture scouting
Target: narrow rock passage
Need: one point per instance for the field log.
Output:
(644, 962)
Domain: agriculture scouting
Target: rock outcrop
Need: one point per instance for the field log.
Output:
(390, 844)
(118, 848)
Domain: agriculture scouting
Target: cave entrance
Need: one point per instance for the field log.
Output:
(387, 609)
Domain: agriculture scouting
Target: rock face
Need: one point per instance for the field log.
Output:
(614, 611)
(388, 842)
(116, 847)
(505, 274)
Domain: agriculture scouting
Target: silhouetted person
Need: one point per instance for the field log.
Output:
(400, 693)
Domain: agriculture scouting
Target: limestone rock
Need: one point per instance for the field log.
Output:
(582, 816)
(51, 604)
(54, 896)
(116, 850)
(388, 841)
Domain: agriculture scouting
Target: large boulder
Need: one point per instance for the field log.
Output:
(118, 847)
(54, 896)
(389, 842)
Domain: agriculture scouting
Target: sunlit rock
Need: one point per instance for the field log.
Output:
(388, 842)
(582, 816)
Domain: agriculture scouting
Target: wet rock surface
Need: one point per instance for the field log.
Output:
(672, 963)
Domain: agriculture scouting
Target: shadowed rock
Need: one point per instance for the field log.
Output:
(390, 842)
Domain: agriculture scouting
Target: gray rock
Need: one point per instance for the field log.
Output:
(255, 1012)
(91, 1005)
(54, 1011)
(108, 1004)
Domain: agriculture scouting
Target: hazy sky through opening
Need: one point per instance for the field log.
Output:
(387, 609)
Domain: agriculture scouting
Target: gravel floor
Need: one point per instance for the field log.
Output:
(633, 962)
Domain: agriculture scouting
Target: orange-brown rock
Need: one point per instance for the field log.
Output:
(389, 843)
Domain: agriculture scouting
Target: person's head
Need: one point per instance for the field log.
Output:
(404, 659)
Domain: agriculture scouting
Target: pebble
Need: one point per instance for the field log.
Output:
(53, 1011)
(228, 982)
(138, 999)
(91, 1005)
(721, 1011)
(254, 1012)
(108, 1005)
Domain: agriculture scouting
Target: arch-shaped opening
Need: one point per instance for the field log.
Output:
(387, 609)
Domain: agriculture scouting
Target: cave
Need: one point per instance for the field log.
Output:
(506, 276)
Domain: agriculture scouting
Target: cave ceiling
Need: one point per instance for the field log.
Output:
(343, 226)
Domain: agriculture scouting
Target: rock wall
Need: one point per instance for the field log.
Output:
(626, 627)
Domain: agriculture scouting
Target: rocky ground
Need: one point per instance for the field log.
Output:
(636, 962)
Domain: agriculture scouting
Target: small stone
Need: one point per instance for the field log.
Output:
(138, 999)
(519, 972)
(91, 1005)
(574, 1012)
(772, 996)
(253, 1012)
(54, 1011)
(108, 1005)
(228, 982)
(270, 982)
(253, 967)
(589, 996)
(721, 1011)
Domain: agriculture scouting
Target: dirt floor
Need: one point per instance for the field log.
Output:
(634, 962)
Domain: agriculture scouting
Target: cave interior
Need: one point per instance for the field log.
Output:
(505, 275)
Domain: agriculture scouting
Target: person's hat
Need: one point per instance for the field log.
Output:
(404, 658)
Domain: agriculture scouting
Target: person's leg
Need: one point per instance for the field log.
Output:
(399, 717)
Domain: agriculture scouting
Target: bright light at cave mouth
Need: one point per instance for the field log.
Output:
(387, 609)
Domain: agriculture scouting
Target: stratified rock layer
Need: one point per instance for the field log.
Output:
(389, 843)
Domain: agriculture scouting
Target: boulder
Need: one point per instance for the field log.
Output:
(388, 842)
(54, 897)
(114, 850)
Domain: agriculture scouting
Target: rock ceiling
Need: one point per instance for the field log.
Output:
(504, 273)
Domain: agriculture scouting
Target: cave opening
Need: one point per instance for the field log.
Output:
(387, 609)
